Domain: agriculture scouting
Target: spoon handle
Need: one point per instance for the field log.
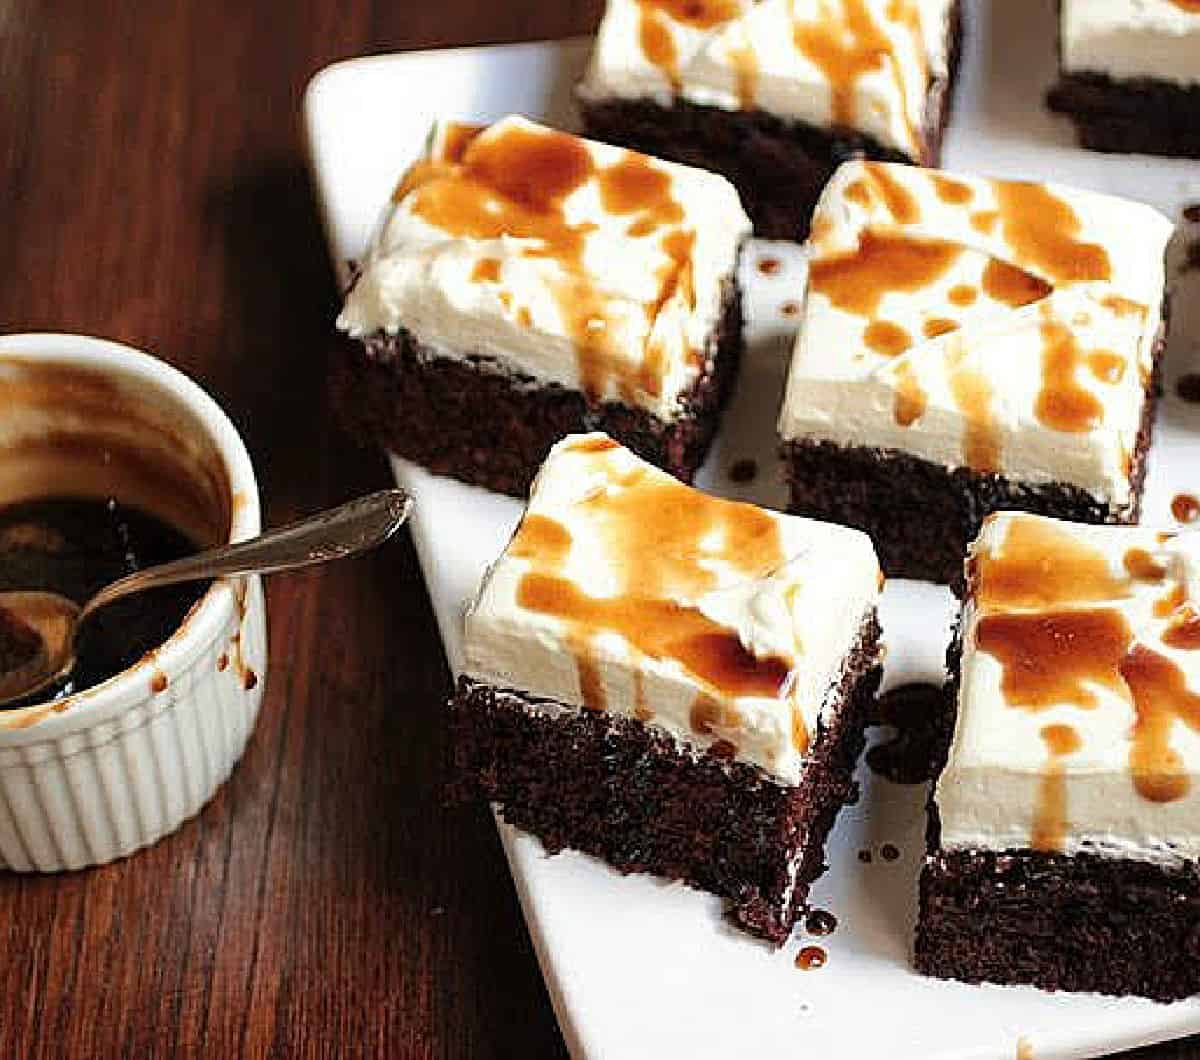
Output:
(354, 527)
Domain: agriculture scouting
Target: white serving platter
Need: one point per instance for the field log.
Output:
(641, 968)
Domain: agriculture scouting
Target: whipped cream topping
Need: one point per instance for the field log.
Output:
(860, 64)
(996, 325)
(557, 258)
(1128, 39)
(1079, 707)
(716, 622)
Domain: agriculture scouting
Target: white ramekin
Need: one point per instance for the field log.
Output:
(116, 767)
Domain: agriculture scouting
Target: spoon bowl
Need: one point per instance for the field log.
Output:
(44, 626)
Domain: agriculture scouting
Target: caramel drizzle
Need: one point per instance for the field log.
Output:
(515, 184)
(858, 281)
(1063, 404)
(662, 537)
(1041, 228)
(910, 399)
(981, 440)
(844, 42)
(1052, 658)
(1050, 820)
(654, 29)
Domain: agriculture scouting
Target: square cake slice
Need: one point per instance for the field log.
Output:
(968, 345)
(672, 682)
(775, 94)
(526, 284)
(1064, 834)
(1129, 74)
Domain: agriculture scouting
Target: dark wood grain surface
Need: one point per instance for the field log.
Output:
(153, 190)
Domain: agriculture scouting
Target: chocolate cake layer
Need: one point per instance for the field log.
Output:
(1077, 922)
(778, 167)
(629, 794)
(469, 417)
(1146, 116)
(922, 515)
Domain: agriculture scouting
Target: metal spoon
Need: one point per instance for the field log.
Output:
(354, 527)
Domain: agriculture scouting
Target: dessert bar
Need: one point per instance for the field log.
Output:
(1065, 828)
(527, 284)
(672, 682)
(969, 345)
(775, 94)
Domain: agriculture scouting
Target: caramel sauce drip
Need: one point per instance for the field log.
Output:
(910, 400)
(845, 43)
(886, 338)
(857, 191)
(984, 221)
(1041, 565)
(515, 184)
(591, 685)
(1185, 508)
(1143, 566)
(1054, 657)
(935, 326)
(1050, 815)
(952, 191)
(1062, 403)
(1106, 366)
(857, 282)
(597, 444)
(1188, 5)
(1012, 286)
(745, 71)
(662, 629)
(981, 441)
(809, 958)
(1160, 697)
(1123, 307)
(1042, 228)
(901, 203)
(657, 44)
(641, 709)
(542, 539)
(1167, 605)
(456, 138)
(799, 730)
(1183, 631)
(487, 270)
(963, 294)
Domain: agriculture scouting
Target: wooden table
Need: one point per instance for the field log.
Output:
(154, 191)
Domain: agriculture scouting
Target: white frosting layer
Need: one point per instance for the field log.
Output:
(868, 69)
(1126, 39)
(987, 378)
(626, 318)
(990, 794)
(691, 554)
